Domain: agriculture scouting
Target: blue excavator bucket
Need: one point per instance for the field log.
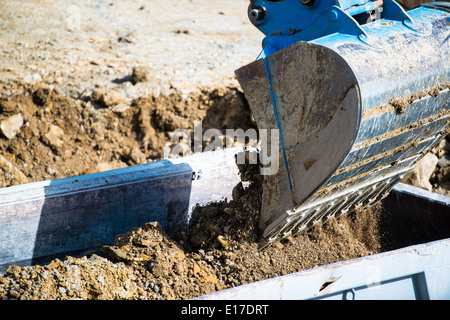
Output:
(358, 91)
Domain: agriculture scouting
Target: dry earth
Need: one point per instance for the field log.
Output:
(95, 85)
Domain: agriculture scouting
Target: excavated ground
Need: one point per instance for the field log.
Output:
(47, 135)
(62, 137)
(79, 100)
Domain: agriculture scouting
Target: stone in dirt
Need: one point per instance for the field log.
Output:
(120, 108)
(7, 106)
(12, 172)
(140, 74)
(107, 97)
(10, 126)
(54, 137)
(40, 96)
(420, 175)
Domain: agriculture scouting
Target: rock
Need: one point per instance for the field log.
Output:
(14, 294)
(104, 166)
(134, 156)
(444, 161)
(50, 171)
(8, 106)
(158, 270)
(117, 253)
(420, 175)
(107, 97)
(228, 210)
(238, 191)
(445, 145)
(32, 78)
(120, 108)
(10, 126)
(155, 225)
(13, 270)
(224, 243)
(141, 242)
(16, 176)
(196, 268)
(54, 137)
(53, 264)
(40, 96)
(140, 74)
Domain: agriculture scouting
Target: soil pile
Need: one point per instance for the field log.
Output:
(219, 250)
(47, 135)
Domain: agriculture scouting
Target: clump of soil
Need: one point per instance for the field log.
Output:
(402, 104)
(74, 278)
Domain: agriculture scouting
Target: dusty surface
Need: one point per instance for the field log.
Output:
(95, 85)
(76, 45)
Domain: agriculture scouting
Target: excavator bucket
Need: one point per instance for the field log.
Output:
(358, 91)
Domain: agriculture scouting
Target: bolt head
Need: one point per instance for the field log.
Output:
(256, 14)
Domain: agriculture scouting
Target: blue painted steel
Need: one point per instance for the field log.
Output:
(285, 16)
(288, 21)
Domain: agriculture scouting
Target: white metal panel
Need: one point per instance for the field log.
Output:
(395, 274)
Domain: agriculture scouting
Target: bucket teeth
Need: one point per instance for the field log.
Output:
(305, 219)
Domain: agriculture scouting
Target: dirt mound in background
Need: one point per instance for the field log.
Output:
(46, 135)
